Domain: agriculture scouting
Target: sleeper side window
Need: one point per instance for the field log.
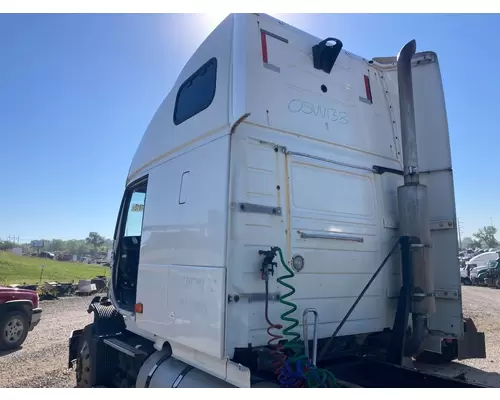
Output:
(196, 93)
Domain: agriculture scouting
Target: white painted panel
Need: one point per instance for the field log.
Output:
(192, 233)
(294, 97)
(182, 274)
(328, 190)
(164, 139)
(327, 198)
(184, 305)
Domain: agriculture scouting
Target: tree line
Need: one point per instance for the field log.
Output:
(483, 238)
(92, 244)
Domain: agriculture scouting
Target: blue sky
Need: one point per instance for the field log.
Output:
(78, 91)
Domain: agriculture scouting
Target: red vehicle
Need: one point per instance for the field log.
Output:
(19, 314)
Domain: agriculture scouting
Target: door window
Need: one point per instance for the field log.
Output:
(133, 226)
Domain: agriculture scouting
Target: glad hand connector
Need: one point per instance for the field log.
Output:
(268, 263)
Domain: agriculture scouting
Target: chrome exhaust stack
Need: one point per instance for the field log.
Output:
(407, 112)
(413, 206)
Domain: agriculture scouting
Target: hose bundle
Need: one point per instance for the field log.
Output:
(291, 365)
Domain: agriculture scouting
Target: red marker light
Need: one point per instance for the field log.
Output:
(368, 89)
(263, 42)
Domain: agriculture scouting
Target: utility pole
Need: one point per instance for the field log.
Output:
(13, 239)
(459, 229)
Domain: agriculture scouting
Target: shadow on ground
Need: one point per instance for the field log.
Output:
(7, 352)
(463, 372)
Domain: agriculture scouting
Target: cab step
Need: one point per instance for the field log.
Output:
(125, 348)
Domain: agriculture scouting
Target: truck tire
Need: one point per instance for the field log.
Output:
(449, 352)
(14, 327)
(84, 365)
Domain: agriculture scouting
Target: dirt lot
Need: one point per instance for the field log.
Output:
(483, 306)
(43, 359)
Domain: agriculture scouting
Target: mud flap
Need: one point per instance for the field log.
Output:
(473, 343)
(74, 340)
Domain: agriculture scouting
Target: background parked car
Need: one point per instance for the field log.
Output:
(19, 314)
(478, 274)
(481, 260)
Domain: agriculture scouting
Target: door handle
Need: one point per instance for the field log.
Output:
(182, 199)
(331, 235)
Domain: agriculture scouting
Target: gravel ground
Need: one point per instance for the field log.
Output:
(483, 306)
(42, 360)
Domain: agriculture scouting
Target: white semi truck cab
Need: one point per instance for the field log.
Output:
(288, 220)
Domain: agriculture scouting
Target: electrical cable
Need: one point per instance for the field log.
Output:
(276, 347)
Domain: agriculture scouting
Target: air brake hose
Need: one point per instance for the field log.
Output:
(274, 343)
(304, 370)
(287, 376)
(291, 343)
(339, 327)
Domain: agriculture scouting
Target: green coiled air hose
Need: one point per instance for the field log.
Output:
(315, 377)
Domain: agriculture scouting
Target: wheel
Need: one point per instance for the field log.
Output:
(14, 328)
(466, 281)
(449, 352)
(84, 377)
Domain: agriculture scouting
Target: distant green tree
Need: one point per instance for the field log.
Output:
(57, 245)
(467, 242)
(71, 246)
(486, 236)
(80, 247)
(6, 245)
(95, 241)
